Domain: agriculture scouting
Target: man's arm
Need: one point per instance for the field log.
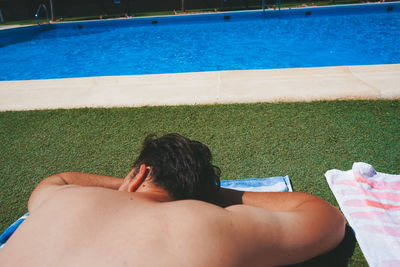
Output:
(55, 182)
(283, 228)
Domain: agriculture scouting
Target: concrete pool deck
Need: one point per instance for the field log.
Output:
(246, 86)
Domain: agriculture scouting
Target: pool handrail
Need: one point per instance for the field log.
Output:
(45, 11)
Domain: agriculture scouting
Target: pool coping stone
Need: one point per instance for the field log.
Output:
(217, 87)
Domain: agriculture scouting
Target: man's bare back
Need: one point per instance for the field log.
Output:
(114, 228)
(147, 219)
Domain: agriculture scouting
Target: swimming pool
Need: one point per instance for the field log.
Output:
(308, 37)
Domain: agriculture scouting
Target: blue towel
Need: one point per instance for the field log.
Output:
(11, 229)
(272, 184)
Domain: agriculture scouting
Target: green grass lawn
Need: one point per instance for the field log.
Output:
(302, 140)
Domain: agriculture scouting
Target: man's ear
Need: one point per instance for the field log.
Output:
(139, 178)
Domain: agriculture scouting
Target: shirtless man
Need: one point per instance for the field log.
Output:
(161, 215)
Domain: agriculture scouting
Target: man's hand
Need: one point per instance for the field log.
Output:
(53, 183)
(125, 183)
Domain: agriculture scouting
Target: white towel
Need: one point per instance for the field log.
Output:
(370, 200)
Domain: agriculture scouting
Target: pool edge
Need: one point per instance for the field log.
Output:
(217, 87)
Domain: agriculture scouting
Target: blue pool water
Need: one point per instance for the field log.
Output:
(332, 36)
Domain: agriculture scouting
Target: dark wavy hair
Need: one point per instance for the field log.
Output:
(180, 166)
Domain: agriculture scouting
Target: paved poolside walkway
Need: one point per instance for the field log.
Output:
(302, 84)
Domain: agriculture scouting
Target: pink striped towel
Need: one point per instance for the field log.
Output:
(370, 200)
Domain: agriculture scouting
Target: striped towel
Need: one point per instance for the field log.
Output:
(273, 184)
(370, 200)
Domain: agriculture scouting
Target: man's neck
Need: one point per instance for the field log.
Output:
(153, 193)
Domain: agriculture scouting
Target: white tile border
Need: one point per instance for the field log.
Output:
(243, 86)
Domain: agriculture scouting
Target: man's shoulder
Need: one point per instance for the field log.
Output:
(196, 211)
(193, 206)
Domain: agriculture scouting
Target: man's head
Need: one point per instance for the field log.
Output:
(180, 166)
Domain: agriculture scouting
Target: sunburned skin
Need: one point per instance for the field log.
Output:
(79, 219)
(129, 229)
